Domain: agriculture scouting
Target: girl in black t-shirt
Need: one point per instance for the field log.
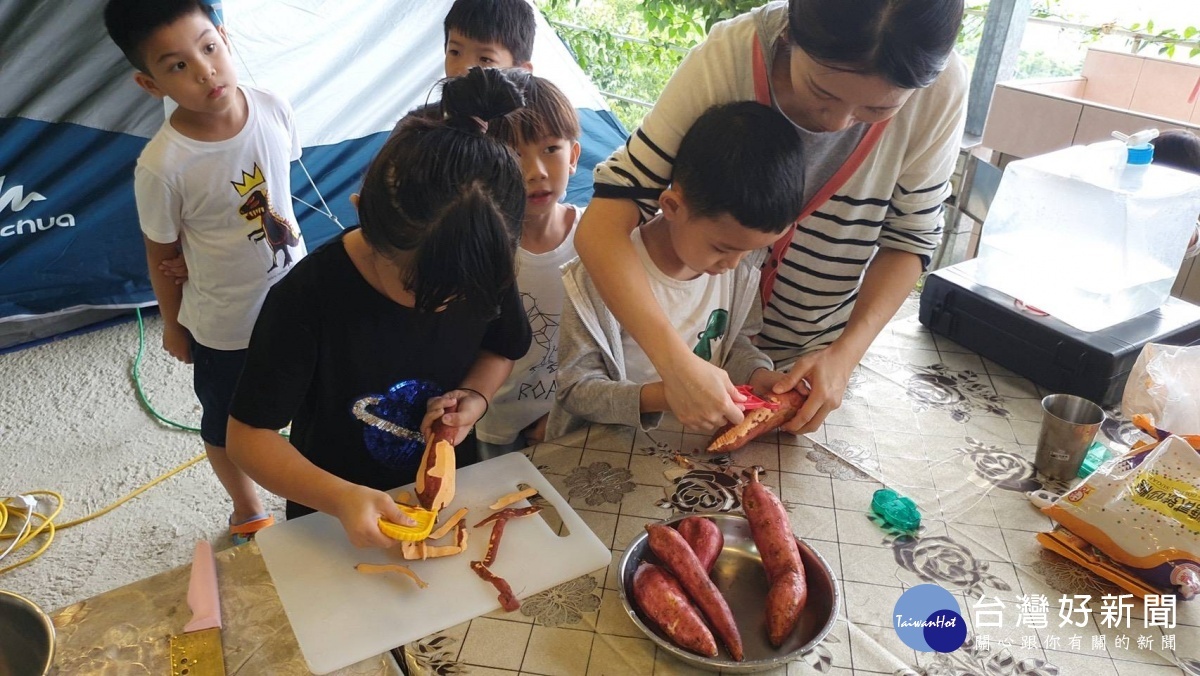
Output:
(411, 318)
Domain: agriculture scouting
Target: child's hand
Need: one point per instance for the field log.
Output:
(536, 433)
(359, 511)
(177, 342)
(175, 269)
(763, 380)
(457, 411)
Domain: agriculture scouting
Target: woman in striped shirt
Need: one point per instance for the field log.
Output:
(879, 98)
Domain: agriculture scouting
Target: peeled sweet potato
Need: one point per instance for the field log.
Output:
(705, 539)
(660, 597)
(435, 475)
(757, 422)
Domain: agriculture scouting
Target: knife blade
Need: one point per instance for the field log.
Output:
(197, 651)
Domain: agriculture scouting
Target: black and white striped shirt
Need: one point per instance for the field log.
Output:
(894, 200)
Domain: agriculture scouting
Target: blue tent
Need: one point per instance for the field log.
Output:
(73, 123)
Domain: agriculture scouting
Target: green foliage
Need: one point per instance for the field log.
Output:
(663, 30)
(1166, 40)
(695, 15)
(636, 68)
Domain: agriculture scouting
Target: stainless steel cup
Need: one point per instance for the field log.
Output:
(1069, 425)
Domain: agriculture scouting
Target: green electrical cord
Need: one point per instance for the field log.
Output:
(134, 372)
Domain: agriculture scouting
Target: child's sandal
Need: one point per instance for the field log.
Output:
(244, 531)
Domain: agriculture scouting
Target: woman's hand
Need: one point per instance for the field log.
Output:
(359, 509)
(822, 377)
(700, 394)
(457, 411)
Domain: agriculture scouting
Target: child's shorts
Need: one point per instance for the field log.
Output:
(215, 376)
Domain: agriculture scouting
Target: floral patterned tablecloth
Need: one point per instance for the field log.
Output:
(922, 415)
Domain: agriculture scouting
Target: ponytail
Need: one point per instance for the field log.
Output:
(454, 198)
(483, 94)
(471, 254)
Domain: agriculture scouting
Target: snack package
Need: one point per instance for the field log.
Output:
(1165, 383)
(1142, 511)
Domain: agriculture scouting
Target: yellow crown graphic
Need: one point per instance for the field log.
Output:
(249, 181)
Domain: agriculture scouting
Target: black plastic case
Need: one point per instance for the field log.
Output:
(1055, 355)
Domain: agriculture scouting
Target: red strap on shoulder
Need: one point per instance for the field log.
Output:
(762, 84)
(762, 93)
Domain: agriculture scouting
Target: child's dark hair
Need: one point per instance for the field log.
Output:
(906, 42)
(131, 22)
(547, 113)
(509, 22)
(1179, 149)
(451, 197)
(742, 159)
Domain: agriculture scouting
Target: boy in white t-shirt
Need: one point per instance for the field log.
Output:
(545, 136)
(214, 182)
(737, 186)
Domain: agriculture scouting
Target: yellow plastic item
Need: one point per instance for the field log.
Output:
(423, 517)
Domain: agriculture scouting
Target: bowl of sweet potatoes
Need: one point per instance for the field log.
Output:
(701, 588)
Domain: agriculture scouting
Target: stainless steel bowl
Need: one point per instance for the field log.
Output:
(740, 577)
(26, 636)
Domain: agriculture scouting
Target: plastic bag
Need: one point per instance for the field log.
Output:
(1165, 383)
(1141, 511)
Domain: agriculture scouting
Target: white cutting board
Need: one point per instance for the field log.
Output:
(341, 616)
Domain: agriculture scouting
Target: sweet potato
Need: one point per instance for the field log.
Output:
(757, 422)
(661, 598)
(675, 554)
(705, 539)
(772, 533)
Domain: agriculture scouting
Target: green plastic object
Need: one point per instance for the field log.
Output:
(1097, 454)
(897, 510)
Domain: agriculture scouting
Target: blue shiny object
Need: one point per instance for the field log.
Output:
(392, 432)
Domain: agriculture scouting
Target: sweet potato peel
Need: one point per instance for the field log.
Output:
(516, 496)
(422, 550)
(481, 568)
(508, 600)
(510, 513)
(445, 528)
(380, 568)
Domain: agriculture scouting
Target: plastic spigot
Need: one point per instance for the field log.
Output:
(1138, 138)
(1138, 149)
(896, 510)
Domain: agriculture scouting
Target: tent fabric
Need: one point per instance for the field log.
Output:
(73, 123)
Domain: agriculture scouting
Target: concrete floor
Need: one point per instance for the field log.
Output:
(70, 422)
